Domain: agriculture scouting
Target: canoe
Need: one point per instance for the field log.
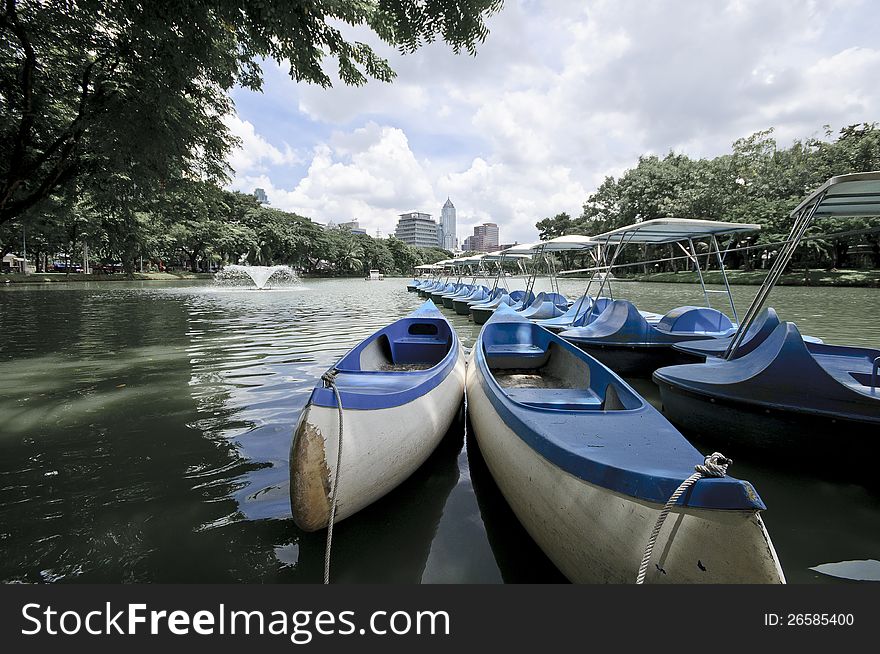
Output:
(400, 389)
(630, 344)
(786, 396)
(587, 465)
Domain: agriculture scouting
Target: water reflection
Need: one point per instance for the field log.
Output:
(145, 433)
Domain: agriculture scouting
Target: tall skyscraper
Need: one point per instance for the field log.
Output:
(260, 194)
(448, 227)
(418, 229)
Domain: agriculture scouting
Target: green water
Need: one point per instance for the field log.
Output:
(144, 432)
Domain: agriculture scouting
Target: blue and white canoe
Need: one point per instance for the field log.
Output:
(627, 342)
(400, 389)
(587, 465)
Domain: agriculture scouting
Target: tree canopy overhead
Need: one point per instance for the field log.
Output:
(125, 95)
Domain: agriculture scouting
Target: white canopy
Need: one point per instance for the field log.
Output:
(506, 254)
(670, 230)
(566, 243)
(522, 248)
(856, 194)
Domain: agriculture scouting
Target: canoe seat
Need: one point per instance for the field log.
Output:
(515, 355)
(556, 398)
(418, 349)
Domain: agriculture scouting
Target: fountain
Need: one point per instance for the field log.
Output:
(235, 274)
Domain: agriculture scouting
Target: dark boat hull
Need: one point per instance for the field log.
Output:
(779, 431)
(633, 360)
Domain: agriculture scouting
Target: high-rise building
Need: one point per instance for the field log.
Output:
(485, 238)
(417, 229)
(261, 196)
(448, 233)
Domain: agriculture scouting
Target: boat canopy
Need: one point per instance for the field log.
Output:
(566, 243)
(856, 194)
(427, 266)
(522, 248)
(498, 255)
(671, 230)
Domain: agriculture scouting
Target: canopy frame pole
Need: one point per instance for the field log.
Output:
(714, 243)
(498, 263)
(801, 222)
(533, 278)
(699, 272)
(608, 265)
(580, 307)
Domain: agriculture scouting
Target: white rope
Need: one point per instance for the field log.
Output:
(329, 378)
(715, 465)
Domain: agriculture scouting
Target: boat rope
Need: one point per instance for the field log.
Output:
(329, 379)
(715, 465)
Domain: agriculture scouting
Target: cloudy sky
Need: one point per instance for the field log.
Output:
(563, 93)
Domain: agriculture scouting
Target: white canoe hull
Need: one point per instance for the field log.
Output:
(595, 535)
(380, 449)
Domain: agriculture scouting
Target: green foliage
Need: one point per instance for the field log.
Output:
(121, 98)
(756, 183)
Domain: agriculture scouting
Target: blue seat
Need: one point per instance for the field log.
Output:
(555, 398)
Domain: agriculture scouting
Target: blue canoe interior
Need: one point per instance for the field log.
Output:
(396, 365)
(583, 418)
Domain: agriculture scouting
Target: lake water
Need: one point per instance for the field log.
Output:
(145, 427)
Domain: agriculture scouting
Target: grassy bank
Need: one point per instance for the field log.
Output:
(860, 278)
(40, 278)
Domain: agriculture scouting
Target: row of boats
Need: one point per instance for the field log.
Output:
(588, 465)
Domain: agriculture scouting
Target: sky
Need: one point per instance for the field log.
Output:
(562, 94)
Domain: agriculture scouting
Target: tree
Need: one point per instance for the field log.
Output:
(135, 92)
(558, 225)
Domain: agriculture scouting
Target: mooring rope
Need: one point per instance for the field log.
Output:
(329, 379)
(715, 465)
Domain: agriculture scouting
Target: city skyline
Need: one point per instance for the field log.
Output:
(506, 134)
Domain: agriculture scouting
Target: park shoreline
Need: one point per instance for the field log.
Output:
(831, 278)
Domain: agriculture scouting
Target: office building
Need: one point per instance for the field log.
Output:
(416, 228)
(485, 238)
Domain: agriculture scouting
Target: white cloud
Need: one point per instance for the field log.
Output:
(255, 153)
(564, 93)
